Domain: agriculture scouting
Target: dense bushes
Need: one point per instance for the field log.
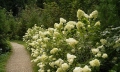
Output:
(4, 28)
(75, 46)
(4, 46)
(14, 27)
(109, 13)
(50, 12)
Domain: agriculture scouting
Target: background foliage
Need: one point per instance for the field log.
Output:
(16, 16)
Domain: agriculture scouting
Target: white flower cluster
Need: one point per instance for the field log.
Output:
(84, 69)
(81, 14)
(61, 49)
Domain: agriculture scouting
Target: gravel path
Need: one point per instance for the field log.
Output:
(19, 60)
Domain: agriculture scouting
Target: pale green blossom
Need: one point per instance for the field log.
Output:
(98, 54)
(79, 25)
(97, 23)
(94, 51)
(64, 66)
(44, 57)
(59, 70)
(103, 41)
(80, 14)
(51, 30)
(59, 62)
(70, 25)
(94, 14)
(41, 70)
(48, 70)
(56, 34)
(56, 25)
(104, 55)
(86, 15)
(71, 41)
(70, 58)
(46, 39)
(86, 69)
(54, 50)
(52, 64)
(95, 62)
(89, 26)
(77, 69)
(35, 37)
(62, 20)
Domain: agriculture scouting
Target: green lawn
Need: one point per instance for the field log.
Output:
(3, 61)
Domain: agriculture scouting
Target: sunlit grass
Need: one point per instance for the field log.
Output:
(3, 61)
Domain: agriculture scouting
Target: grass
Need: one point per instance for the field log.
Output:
(34, 65)
(4, 58)
(3, 61)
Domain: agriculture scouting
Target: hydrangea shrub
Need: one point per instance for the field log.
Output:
(69, 46)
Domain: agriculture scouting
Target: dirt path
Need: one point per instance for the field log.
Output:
(19, 60)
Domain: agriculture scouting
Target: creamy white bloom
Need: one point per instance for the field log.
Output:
(117, 41)
(86, 69)
(98, 54)
(46, 33)
(56, 34)
(71, 41)
(54, 50)
(71, 23)
(95, 62)
(41, 70)
(46, 39)
(80, 14)
(103, 41)
(51, 30)
(104, 55)
(52, 64)
(88, 26)
(77, 69)
(97, 23)
(62, 20)
(79, 25)
(41, 33)
(59, 62)
(94, 14)
(59, 70)
(99, 47)
(86, 15)
(48, 70)
(43, 45)
(73, 50)
(44, 57)
(32, 44)
(35, 37)
(65, 66)
(41, 65)
(70, 58)
(39, 40)
(64, 32)
(56, 25)
(94, 51)
(69, 27)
